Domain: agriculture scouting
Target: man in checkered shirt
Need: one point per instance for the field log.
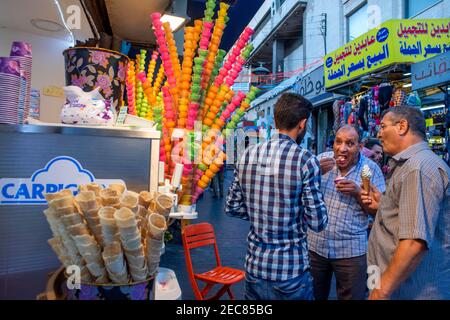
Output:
(341, 248)
(277, 187)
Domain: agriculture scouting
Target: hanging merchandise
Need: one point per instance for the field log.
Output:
(347, 112)
(384, 96)
(399, 98)
(363, 112)
(337, 105)
(414, 100)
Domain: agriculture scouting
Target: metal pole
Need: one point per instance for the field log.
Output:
(323, 30)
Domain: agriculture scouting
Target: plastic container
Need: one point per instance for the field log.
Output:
(166, 285)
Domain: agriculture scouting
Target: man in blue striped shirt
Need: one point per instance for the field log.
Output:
(277, 187)
(341, 248)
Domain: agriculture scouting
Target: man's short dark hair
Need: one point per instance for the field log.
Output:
(290, 109)
(372, 142)
(352, 127)
(414, 116)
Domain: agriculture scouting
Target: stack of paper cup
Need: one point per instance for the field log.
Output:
(21, 52)
(10, 89)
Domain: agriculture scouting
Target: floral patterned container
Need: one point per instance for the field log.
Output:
(133, 291)
(89, 68)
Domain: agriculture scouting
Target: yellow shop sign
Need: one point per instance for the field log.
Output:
(394, 41)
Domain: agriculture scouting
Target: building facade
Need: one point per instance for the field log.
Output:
(291, 39)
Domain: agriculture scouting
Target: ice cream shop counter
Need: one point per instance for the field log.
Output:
(39, 159)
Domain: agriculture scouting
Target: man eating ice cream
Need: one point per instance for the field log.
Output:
(341, 248)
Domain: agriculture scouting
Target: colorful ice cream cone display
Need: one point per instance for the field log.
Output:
(191, 94)
(131, 88)
(113, 236)
(214, 44)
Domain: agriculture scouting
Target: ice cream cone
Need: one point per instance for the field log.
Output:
(366, 184)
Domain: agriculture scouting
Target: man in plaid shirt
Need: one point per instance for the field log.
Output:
(277, 187)
(341, 248)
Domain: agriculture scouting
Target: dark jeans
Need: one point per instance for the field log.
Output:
(217, 183)
(350, 274)
(299, 288)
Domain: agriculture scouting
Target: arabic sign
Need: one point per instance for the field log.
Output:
(431, 72)
(394, 41)
(59, 173)
(311, 84)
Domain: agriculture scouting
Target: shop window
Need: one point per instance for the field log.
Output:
(414, 7)
(357, 23)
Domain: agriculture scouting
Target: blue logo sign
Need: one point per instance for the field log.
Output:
(60, 173)
(382, 34)
(329, 62)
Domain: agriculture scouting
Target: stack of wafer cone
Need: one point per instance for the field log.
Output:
(113, 235)
(157, 226)
(89, 206)
(130, 238)
(141, 217)
(63, 204)
(110, 231)
(115, 263)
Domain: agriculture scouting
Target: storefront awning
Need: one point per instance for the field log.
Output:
(394, 42)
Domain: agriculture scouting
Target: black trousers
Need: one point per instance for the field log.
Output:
(350, 274)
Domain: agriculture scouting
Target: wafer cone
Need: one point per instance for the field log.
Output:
(110, 198)
(52, 196)
(366, 184)
(78, 230)
(156, 226)
(152, 268)
(60, 202)
(129, 199)
(71, 219)
(125, 218)
(106, 215)
(118, 187)
(133, 243)
(154, 243)
(164, 204)
(138, 274)
(87, 201)
(91, 187)
(63, 211)
(145, 198)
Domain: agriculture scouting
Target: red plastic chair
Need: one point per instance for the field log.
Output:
(199, 235)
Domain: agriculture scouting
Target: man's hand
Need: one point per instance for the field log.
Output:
(378, 294)
(348, 187)
(326, 165)
(371, 199)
